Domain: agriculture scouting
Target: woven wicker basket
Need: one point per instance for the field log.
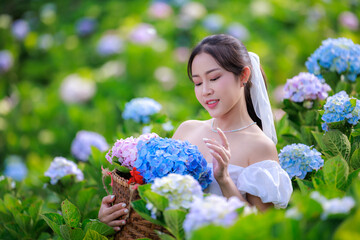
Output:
(135, 227)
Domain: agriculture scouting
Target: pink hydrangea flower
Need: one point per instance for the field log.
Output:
(125, 151)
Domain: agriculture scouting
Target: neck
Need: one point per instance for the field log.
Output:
(237, 117)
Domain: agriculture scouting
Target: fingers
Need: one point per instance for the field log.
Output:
(108, 199)
(219, 149)
(223, 138)
(117, 223)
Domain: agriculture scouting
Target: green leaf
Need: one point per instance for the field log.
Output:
(54, 220)
(14, 230)
(160, 202)
(290, 139)
(69, 233)
(355, 159)
(23, 221)
(84, 196)
(93, 235)
(164, 236)
(140, 208)
(71, 214)
(319, 139)
(310, 117)
(349, 229)
(99, 227)
(34, 210)
(142, 189)
(12, 204)
(336, 172)
(174, 219)
(306, 135)
(337, 143)
(304, 185)
(121, 168)
(352, 176)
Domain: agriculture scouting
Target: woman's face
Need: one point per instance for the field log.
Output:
(216, 89)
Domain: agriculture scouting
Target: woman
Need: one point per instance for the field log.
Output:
(239, 141)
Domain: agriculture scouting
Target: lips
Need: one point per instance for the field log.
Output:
(212, 103)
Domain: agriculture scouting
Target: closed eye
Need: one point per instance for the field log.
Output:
(198, 84)
(214, 79)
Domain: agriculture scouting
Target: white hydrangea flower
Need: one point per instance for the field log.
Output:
(212, 209)
(75, 89)
(61, 167)
(181, 190)
(333, 206)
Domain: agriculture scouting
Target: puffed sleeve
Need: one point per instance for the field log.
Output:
(267, 180)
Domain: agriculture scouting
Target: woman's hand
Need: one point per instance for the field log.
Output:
(109, 213)
(221, 156)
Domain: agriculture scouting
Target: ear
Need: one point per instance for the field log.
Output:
(245, 74)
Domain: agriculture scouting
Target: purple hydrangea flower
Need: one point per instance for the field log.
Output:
(212, 209)
(336, 55)
(299, 159)
(85, 26)
(61, 167)
(160, 10)
(140, 109)
(81, 145)
(6, 61)
(338, 108)
(143, 34)
(159, 157)
(15, 168)
(305, 86)
(20, 29)
(349, 20)
(109, 44)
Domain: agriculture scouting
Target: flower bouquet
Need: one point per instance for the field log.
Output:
(141, 160)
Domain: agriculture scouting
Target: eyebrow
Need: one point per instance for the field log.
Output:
(207, 72)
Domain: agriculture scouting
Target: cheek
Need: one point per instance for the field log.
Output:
(197, 91)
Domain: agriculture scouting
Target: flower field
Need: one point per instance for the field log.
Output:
(82, 83)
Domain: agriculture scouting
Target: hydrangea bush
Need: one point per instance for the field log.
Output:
(305, 87)
(61, 167)
(140, 109)
(299, 159)
(160, 156)
(212, 209)
(81, 145)
(341, 107)
(339, 55)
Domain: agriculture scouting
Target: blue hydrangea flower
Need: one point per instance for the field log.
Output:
(339, 55)
(305, 86)
(6, 61)
(159, 157)
(140, 109)
(85, 26)
(299, 159)
(213, 22)
(212, 209)
(81, 145)
(338, 108)
(15, 168)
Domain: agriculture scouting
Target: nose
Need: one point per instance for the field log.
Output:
(206, 90)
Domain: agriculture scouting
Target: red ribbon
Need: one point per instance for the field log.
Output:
(109, 173)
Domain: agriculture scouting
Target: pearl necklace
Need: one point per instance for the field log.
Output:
(230, 131)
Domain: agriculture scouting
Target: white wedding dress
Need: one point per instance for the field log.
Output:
(265, 179)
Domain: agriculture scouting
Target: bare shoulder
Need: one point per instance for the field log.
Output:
(187, 128)
(263, 149)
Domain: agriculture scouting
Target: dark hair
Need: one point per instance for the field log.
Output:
(232, 55)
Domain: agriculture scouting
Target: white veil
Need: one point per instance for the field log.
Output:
(260, 98)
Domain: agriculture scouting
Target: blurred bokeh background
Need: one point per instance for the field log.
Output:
(67, 66)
